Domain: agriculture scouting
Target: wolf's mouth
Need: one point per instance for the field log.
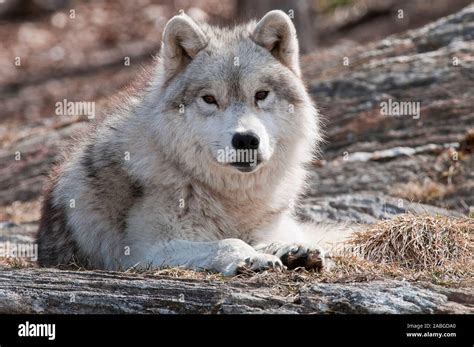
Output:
(246, 166)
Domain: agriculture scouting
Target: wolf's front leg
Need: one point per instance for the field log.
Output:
(295, 245)
(225, 256)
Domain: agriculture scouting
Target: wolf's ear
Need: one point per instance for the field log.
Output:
(276, 32)
(182, 40)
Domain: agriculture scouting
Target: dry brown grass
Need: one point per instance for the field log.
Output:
(424, 192)
(176, 272)
(416, 242)
(354, 269)
(15, 263)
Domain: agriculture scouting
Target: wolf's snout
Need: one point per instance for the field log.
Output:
(248, 140)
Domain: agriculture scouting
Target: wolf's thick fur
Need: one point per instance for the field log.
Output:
(146, 188)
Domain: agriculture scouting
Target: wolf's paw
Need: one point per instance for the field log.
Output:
(296, 255)
(261, 262)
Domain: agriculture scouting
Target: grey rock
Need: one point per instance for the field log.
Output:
(365, 208)
(378, 297)
(32, 290)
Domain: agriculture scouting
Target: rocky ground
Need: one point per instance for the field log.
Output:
(55, 291)
(373, 166)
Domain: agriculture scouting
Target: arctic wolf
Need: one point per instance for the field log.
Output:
(202, 169)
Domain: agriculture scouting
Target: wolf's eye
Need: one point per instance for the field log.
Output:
(261, 95)
(209, 99)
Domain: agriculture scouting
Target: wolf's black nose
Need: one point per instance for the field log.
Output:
(247, 140)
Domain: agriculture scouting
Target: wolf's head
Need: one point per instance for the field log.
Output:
(230, 106)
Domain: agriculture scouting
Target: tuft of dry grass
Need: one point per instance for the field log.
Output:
(15, 263)
(355, 269)
(416, 242)
(175, 272)
(424, 192)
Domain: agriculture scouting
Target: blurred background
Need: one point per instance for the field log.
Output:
(52, 50)
(76, 49)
